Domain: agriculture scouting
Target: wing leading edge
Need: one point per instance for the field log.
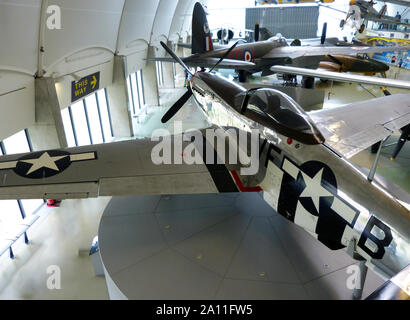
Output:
(385, 82)
(294, 52)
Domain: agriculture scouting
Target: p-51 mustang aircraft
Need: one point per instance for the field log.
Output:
(303, 173)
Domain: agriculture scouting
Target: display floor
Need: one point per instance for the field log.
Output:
(223, 246)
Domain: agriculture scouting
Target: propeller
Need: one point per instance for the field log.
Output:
(324, 30)
(177, 59)
(181, 101)
(225, 55)
(176, 106)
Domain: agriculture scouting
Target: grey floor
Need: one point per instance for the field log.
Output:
(231, 246)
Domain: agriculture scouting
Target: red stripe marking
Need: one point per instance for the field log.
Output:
(240, 185)
(210, 44)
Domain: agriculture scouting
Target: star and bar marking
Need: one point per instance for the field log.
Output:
(47, 164)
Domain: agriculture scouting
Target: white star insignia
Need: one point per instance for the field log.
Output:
(314, 189)
(45, 161)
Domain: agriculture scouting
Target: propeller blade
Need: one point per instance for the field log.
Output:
(335, 59)
(230, 34)
(256, 32)
(323, 37)
(176, 58)
(403, 138)
(177, 105)
(219, 34)
(225, 55)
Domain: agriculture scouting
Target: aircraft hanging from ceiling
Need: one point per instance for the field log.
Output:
(361, 11)
(302, 169)
(249, 58)
(337, 63)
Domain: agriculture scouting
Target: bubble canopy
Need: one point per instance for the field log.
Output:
(278, 112)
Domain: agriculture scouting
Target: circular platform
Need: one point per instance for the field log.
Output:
(215, 246)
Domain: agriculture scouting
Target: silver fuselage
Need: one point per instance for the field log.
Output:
(344, 210)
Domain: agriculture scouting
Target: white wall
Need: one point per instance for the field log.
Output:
(16, 102)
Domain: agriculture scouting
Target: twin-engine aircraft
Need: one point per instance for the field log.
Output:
(303, 171)
(248, 58)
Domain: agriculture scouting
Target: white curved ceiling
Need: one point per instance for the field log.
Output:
(92, 31)
(118, 26)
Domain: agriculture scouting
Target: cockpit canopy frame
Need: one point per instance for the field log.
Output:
(279, 112)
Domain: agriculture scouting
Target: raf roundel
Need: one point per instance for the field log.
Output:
(206, 28)
(247, 56)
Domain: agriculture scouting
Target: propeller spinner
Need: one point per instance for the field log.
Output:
(181, 101)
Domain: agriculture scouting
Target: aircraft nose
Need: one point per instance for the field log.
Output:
(380, 66)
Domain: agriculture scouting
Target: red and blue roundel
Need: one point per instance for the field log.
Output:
(247, 56)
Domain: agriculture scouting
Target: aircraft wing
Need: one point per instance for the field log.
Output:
(354, 127)
(209, 62)
(399, 2)
(297, 52)
(397, 288)
(344, 77)
(387, 20)
(185, 45)
(118, 168)
(163, 59)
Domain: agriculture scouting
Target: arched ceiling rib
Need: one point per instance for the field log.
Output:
(136, 24)
(120, 26)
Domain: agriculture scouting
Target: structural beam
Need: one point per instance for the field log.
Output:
(48, 129)
(149, 75)
(118, 100)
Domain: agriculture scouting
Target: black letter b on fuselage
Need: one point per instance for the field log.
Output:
(380, 243)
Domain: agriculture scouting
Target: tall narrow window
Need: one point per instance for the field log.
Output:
(130, 94)
(17, 143)
(94, 119)
(80, 123)
(160, 78)
(13, 211)
(105, 115)
(68, 128)
(140, 88)
(135, 92)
